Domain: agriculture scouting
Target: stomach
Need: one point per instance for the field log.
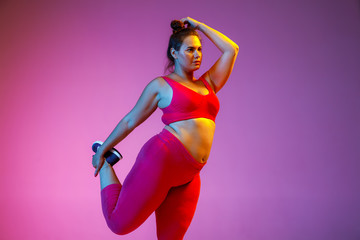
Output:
(196, 135)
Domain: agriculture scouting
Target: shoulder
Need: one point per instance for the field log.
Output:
(158, 85)
(206, 78)
(162, 89)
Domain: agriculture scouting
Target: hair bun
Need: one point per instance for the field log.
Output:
(177, 25)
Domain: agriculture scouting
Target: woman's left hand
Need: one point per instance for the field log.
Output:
(97, 161)
(193, 23)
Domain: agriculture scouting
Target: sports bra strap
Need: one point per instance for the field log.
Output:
(207, 84)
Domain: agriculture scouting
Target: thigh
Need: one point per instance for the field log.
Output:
(143, 190)
(174, 215)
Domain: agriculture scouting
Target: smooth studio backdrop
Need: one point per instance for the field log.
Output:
(285, 158)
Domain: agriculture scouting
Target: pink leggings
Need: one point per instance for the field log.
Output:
(165, 179)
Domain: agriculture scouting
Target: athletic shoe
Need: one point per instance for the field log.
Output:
(112, 156)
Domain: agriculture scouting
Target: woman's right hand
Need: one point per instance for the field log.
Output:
(97, 162)
(193, 23)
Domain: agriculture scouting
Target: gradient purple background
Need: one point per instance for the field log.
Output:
(285, 159)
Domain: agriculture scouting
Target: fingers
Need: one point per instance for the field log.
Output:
(190, 22)
(185, 20)
(97, 163)
(93, 161)
(98, 169)
(96, 172)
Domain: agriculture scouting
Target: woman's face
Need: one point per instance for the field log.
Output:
(189, 56)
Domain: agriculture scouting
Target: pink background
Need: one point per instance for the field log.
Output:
(285, 159)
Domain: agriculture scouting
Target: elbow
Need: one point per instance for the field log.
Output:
(129, 123)
(233, 51)
(236, 48)
(132, 123)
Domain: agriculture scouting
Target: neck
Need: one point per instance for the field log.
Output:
(189, 76)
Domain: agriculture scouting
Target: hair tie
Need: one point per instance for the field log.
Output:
(177, 26)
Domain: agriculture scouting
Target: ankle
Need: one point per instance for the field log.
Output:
(105, 166)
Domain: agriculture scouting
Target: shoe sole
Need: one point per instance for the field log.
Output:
(113, 150)
(112, 156)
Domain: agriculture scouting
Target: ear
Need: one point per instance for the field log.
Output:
(173, 53)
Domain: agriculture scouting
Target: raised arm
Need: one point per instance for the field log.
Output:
(219, 73)
(144, 107)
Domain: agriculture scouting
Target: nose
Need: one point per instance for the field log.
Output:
(197, 54)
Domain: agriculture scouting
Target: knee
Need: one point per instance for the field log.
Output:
(120, 227)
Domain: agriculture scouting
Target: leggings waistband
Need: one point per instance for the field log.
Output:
(168, 138)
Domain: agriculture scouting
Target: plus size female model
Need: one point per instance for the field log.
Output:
(165, 176)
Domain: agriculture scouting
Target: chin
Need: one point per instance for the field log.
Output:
(196, 68)
(192, 68)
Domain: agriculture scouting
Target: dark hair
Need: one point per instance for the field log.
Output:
(180, 32)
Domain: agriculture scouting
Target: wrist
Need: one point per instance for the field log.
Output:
(100, 150)
(105, 167)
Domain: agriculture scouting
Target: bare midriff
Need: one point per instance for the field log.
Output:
(196, 135)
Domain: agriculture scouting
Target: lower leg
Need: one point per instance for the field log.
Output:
(107, 176)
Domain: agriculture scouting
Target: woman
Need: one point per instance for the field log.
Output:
(165, 177)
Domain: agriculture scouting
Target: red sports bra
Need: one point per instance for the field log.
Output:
(188, 104)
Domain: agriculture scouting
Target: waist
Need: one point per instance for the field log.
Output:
(196, 135)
